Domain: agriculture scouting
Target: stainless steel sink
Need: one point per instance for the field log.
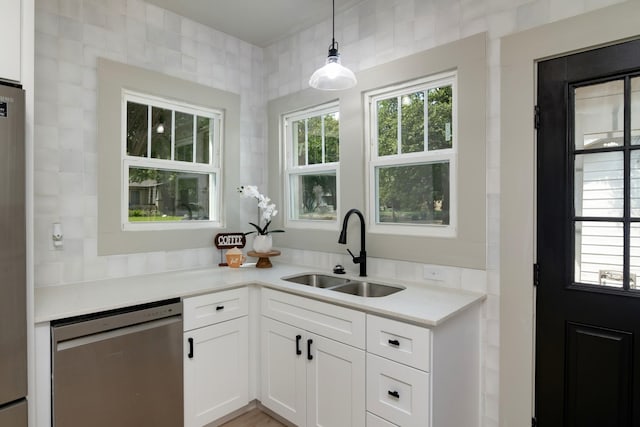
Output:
(367, 289)
(317, 280)
(341, 284)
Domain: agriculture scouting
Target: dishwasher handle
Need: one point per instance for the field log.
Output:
(101, 336)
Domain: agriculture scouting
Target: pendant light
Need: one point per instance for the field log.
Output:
(333, 76)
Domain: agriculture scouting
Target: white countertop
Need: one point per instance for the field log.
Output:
(419, 303)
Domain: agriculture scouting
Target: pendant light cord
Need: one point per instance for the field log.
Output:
(333, 48)
(333, 26)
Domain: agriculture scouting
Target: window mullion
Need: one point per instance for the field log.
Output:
(399, 131)
(149, 130)
(173, 135)
(426, 121)
(322, 135)
(306, 141)
(626, 271)
(194, 140)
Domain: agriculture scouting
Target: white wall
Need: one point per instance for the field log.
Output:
(377, 31)
(70, 35)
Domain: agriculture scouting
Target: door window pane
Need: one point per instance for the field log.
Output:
(413, 194)
(599, 184)
(634, 259)
(599, 253)
(635, 111)
(313, 197)
(635, 183)
(599, 115)
(160, 133)
(137, 129)
(184, 137)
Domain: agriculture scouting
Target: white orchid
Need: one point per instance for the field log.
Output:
(268, 210)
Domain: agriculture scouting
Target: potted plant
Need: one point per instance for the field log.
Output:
(263, 242)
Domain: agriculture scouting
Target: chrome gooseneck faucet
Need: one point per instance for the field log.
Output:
(362, 258)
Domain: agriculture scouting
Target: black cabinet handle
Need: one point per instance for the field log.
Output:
(190, 355)
(298, 351)
(220, 307)
(309, 355)
(394, 394)
(394, 343)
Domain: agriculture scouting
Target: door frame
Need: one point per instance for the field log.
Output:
(519, 54)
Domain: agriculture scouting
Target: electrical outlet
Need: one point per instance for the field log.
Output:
(438, 274)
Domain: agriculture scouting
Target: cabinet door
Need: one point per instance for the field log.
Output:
(283, 370)
(10, 46)
(335, 383)
(216, 380)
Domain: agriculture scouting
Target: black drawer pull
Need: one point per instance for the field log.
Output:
(395, 343)
(298, 351)
(309, 355)
(394, 394)
(190, 355)
(220, 307)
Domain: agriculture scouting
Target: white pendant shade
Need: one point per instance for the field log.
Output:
(333, 76)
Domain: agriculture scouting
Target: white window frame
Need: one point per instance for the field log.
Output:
(425, 157)
(213, 168)
(290, 170)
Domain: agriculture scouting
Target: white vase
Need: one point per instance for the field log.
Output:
(262, 243)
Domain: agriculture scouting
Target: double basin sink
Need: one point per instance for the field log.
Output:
(361, 288)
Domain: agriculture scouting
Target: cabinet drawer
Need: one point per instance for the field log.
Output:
(397, 392)
(398, 341)
(331, 321)
(376, 421)
(216, 307)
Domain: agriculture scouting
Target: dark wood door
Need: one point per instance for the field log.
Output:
(588, 239)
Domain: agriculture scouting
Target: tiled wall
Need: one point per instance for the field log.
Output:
(70, 35)
(378, 31)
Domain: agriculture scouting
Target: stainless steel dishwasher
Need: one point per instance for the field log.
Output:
(120, 368)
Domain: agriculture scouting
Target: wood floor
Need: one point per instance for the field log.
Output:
(253, 418)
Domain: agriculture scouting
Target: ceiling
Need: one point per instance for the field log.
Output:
(259, 22)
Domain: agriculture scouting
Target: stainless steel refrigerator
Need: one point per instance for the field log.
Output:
(13, 318)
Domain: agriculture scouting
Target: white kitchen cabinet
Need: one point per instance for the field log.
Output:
(423, 377)
(216, 364)
(335, 384)
(284, 371)
(10, 41)
(307, 378)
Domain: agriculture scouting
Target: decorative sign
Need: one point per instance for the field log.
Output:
(229, 240)
(3, 109)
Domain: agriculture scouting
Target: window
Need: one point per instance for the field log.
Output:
(171, 163)
(412, 156)
(312, 147)
(606, 179)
